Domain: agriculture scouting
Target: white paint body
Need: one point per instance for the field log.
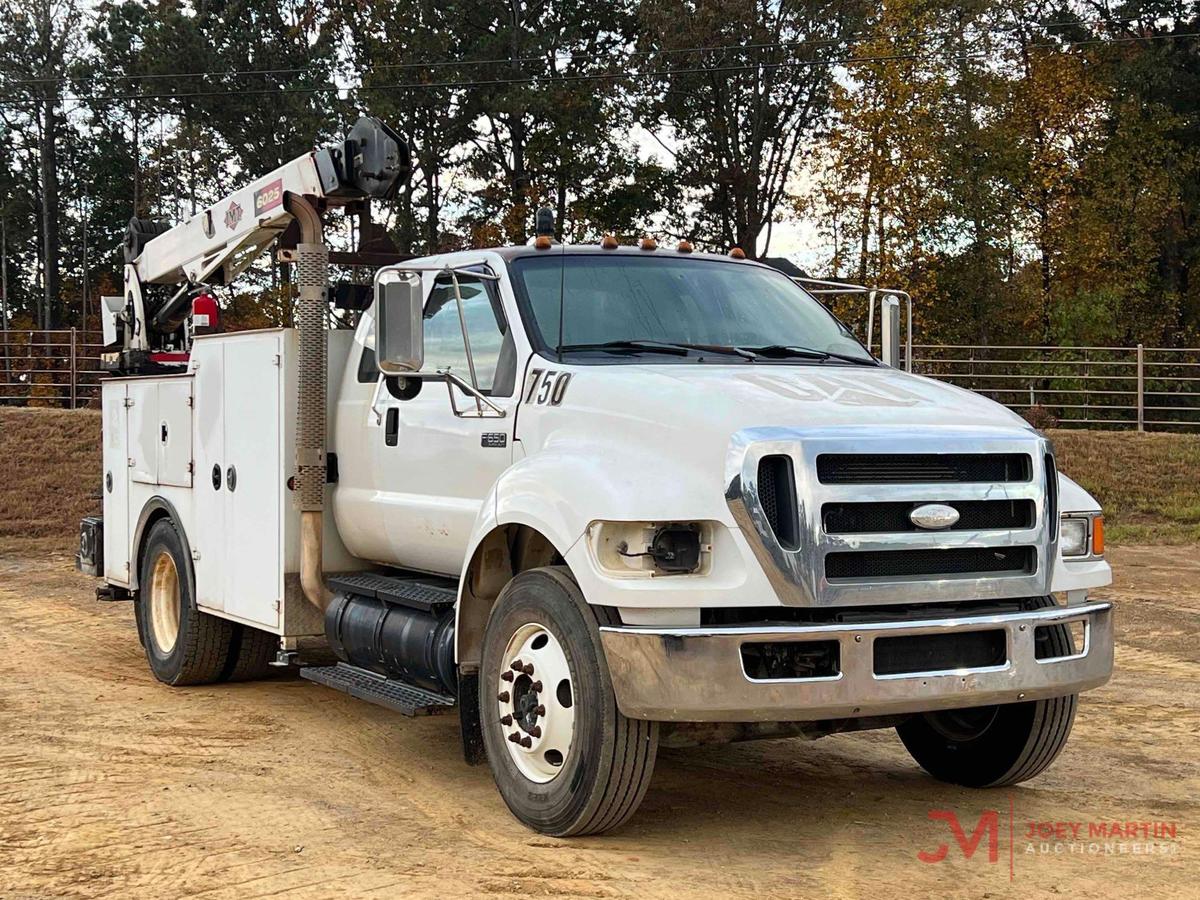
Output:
(636, 442)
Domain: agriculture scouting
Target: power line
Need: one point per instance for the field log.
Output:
(562, 55)
(550, 79)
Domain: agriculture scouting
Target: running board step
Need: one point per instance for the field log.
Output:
(424, 592)
(406, 699)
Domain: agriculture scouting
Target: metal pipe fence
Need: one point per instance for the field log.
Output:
(1142, 388)
(58, 368)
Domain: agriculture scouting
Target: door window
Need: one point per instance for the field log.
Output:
(491, 344)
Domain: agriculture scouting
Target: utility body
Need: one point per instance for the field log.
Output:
(597, 499)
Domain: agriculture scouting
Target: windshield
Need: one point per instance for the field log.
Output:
(690, 303)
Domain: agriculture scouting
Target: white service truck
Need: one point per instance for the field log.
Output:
(598, 498)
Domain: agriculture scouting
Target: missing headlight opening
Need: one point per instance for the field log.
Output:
(652, 548)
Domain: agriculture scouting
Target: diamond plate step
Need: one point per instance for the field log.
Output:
(407, 699)
(423, 592)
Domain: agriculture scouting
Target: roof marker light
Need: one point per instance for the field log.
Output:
(647, 243)
(737, 253)
(609, 242)
(684, 247)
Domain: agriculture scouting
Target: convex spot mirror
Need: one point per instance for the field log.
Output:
(399, 323)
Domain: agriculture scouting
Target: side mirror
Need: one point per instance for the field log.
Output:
(399, 324)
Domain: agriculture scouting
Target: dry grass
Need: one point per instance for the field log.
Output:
(1148, 484)
(49, 471)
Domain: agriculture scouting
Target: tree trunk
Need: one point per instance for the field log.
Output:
(48, 173)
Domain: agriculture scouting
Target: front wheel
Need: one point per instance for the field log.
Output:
(990, 746)
(994, 746)
(566, 761)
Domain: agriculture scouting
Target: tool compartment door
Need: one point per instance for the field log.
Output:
(115, 462)
(175, 432)
(254, 477)
(142, 403)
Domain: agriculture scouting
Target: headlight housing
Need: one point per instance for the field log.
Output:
(1081, 535)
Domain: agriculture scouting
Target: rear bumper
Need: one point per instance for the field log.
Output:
(697, 675)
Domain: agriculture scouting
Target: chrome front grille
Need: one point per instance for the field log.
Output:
(826, 513)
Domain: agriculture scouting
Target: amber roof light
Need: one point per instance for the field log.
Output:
(737, 253)
(609, 242)
(684, 247)
(647, 243)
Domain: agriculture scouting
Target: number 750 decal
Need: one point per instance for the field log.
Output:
(547, 387)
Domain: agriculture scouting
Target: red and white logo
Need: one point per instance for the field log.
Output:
(233, 215)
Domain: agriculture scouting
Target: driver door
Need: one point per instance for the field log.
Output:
(435, 466)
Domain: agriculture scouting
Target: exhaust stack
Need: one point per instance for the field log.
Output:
(312, 273)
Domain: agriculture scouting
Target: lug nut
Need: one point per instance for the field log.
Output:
(516, 666)
(515, 738)
(527, 668)
(540, 711)
(506, 720)
(526, 742)
(506, 675)
(536, 687)
(503, 697)
(536, 730)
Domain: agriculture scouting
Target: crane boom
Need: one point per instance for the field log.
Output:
(165, 267)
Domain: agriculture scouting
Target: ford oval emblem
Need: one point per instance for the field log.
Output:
(933, 516)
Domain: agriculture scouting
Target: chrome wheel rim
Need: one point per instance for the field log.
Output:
(164, 602)
(535, 699)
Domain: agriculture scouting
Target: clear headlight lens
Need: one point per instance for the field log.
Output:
(1081, 535)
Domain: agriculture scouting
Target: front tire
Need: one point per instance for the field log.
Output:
(566, 761)
(183, 645)
(994, 746)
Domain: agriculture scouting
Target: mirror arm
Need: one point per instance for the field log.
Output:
(453, 380)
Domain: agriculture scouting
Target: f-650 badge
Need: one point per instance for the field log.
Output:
(547, 387)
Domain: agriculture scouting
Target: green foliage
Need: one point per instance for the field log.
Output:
(1029, 170)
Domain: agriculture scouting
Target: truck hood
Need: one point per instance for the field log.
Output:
(729, 398)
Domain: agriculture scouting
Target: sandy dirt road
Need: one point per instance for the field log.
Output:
(112, 785)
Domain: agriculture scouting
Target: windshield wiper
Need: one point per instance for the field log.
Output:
(661, 347)
(781, 351)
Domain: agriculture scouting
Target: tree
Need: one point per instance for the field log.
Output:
(38, 42)
(742, 106)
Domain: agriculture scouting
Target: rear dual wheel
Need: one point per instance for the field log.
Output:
(183, 645)
(566, 761)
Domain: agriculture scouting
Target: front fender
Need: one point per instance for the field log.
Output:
(562, 490)
(1080, 574)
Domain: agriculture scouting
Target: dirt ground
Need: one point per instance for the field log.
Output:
(114, 785)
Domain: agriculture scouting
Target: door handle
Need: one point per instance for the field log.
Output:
(391, 429)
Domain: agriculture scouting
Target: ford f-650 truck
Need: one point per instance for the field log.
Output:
(597, 498)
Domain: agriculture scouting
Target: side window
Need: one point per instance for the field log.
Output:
(368, 371)
(491, 344)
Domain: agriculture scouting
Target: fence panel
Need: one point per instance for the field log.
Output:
(59, 368)
(1093, 387)
(1143, 388)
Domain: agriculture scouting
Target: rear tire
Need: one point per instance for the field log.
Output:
(994, 746)
(183, 645)
(251, 653)
(585, 767)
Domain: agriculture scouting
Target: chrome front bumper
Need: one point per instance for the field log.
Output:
(697, 675)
